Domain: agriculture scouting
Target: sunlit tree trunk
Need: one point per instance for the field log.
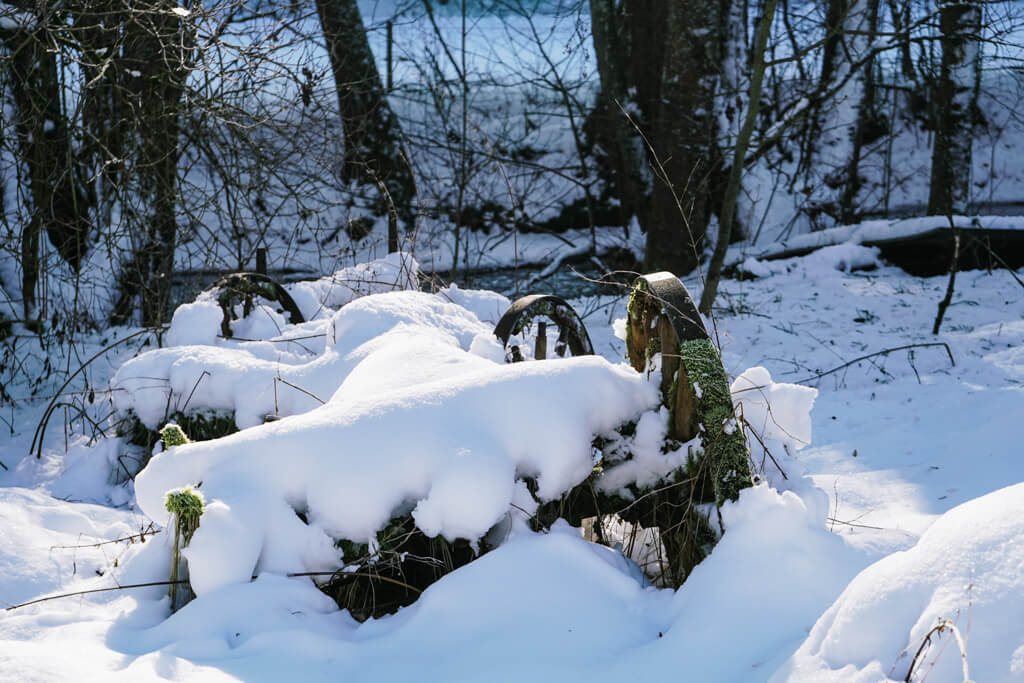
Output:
(844, 122)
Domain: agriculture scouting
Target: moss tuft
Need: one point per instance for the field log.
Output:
(172, 435)
(186, 504)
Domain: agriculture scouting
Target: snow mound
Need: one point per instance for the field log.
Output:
(320, 298)
(968, 567)
(418, 418)
(254, 379)
(361, 459)
(845, 257)
(776, 565)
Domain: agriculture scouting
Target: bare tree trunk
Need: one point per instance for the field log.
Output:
(687, 155)
(959, 80)
(373, 149)
(610, 29)
(97, 25)
(732, 191)
(60, 200)
(866, 128)
(156, 60)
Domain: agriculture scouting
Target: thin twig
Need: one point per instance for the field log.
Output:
(180, 581)
(94, 590)
(997, 257)
(939, 628)
(833, 520)
(298, 388)
(140, 536)
(883, 352)
(954, 264)
(368, 575)
(274, 341)
(194, 387)
(41, 427)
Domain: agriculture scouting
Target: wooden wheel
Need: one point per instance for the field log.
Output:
(525, 329)
(244, 288)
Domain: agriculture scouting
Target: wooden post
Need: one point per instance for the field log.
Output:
(261, 260)
(391, 83)
(540, 351)
(392, 230)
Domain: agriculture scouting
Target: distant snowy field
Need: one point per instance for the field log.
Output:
(906, 508)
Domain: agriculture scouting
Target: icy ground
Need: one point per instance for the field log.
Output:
(906, 509)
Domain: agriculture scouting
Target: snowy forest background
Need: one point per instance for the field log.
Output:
(144, 143)
(385, 492)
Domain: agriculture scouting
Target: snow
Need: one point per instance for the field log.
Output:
(355, 462)
(844, 239)
(889, 494)
(968, 567)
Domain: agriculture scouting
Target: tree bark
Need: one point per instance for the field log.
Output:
(959, 81)
(60, 200)
(612, 33)
(687, 159)
(373, 149)
(843, 123)
(156, 59)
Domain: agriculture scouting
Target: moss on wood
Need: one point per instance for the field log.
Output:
(725, 445)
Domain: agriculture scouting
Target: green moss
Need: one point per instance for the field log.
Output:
(633, 311)
(538, 309)
(352, 551)
(172, 435)
(633, 305)
(186, 505)
(725, 445)
(201, 425)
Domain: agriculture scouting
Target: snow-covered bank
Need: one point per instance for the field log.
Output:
(904, 508)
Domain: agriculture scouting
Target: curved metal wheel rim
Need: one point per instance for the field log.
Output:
(280, 295)
(561, 313)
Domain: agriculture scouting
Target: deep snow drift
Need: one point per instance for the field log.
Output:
(903, 510)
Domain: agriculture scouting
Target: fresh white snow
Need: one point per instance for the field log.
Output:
(890, 494)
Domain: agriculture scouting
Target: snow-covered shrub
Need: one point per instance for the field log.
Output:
(968, 567)
(406, 447)
(213, 386)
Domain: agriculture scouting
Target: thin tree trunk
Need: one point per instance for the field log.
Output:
(156, 60)
(739, 153)
(59, 198)
(842, 122)
(954, 265)
(867, 121)
(612, 49)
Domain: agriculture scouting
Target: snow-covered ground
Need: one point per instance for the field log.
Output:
(905, 510)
